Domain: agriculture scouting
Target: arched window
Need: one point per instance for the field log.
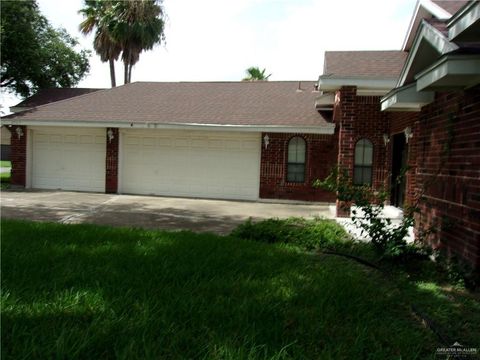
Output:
(296, 160)
(362, 173)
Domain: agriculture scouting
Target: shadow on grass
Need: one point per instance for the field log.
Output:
(81, 291)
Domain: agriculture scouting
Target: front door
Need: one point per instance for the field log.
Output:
(399, 166)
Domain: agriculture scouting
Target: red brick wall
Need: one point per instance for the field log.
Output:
(18, 156)
(111, 167)
(321, 156)
(361, 117)
(449, 176)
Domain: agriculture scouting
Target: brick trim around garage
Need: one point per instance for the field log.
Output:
(111, 162)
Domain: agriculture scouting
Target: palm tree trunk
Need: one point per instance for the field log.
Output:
(125, 72)
(130, 66)
(112, 72)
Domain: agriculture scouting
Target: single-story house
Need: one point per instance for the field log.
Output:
(231, 140)
(370, 112)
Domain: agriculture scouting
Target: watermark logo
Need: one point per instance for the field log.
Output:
(457, 351)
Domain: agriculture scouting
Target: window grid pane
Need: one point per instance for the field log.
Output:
(296, 150)
(296, 173)
(296, 160)
(362, 173)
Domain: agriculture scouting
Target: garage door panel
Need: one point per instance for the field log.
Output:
(69, 159)
(198, 164)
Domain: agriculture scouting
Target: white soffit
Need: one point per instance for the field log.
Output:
(367, 86)
(327, 129)
(450, 72)
(468, 16)
(325, 101)
(432, 36)
(406, 98)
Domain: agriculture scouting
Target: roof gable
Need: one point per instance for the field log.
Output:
(429, 9)
(430, 43)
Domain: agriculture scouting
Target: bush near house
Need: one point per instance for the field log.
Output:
(308, 234)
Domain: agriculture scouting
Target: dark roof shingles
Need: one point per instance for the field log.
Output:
(366, 64)
(225, 103)
(46, 96)
(451, 6)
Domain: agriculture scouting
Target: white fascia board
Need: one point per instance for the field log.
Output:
(423, 9)
(450, 66)
(16, 109)
(463, 20)
(428, 33)
(406, 98)
(331, 83)
(329, 129)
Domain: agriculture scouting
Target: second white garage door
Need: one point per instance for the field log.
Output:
(190, 163)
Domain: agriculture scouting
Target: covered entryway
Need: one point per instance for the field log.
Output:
(218, 165)
(68, 158)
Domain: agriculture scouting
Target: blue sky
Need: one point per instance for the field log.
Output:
(216, 40)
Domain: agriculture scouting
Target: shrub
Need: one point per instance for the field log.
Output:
(308, 234)
(388, 240)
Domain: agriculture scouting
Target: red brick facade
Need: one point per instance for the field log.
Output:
(321, 154)
(359, 117)
(448, 172)
(18, 143)
(443, 161)
(111, 165)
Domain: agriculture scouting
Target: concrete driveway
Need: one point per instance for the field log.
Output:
(218, 216)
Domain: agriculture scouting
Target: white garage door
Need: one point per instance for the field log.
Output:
(191, 163)
(68, 159)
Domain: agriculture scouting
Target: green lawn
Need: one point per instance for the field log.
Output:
(5, 176)
(90, 292)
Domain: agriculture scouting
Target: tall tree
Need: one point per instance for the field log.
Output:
(98, 15)
(255, 74)
(34, 54)
(137, 26)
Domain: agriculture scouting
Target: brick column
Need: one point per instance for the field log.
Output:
(346, 117)
(111, 165)
(18, 145)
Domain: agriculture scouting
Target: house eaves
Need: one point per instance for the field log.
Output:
(465, 25)
(450, 72)
(429, 45)
(406, 98)
(365, 85)
(325, 102)
(328, 129)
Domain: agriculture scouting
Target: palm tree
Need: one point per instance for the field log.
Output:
(98, 15)
(255, 74)
(138, 26)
